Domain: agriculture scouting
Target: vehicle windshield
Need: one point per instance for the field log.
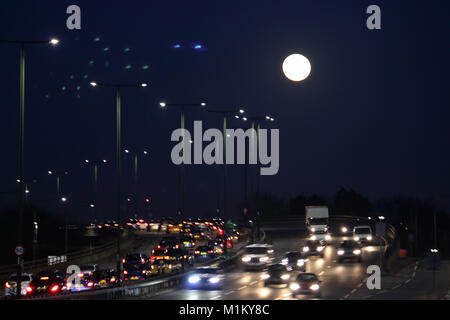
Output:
(292, 256)
(349, 244)
(276, 268)
(256, 250)
(362, 231)
(208, 270)
(306, 278)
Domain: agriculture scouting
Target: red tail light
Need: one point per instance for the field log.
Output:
(125, 272)
(7, 285)
(90, 284)
(113, 279)
(54, 288)
(210, 251)
(196, 252)
(123, 260)
(29, 289)
(81, 275)
(170, 266)
(142, 260)
(143, 271)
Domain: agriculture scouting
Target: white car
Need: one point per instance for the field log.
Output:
(362, 233)
(11, 284)
(257, 256)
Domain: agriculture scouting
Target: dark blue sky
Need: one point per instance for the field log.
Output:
(373, 115)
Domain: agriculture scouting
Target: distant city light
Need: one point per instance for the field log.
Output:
(54, 41)
(162, 104)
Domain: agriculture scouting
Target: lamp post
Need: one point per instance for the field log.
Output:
(181, 195)
(58, 175)
(136, 155)
(117, 88)
(96, 164)
(66, 230)
(22, 44)
(224, 135)
(255, 120)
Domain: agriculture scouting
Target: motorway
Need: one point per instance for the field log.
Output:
(338, 279)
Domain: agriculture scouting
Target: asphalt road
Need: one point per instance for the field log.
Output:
(338, 279)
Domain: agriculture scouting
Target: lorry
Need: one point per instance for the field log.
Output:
(317, 219)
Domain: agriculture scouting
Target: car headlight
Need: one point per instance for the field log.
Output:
(294, 286)
(265, 276)
(285, 276)
(313, 229)
(194, 279)
(313, 238)
(369, 238)
(300, 262)
(357, 251)
(340, 252)
(214, 280)
(314, 287)
(327, 237)
(344, 229)
(319, 248)
(263, 259)
(356, 238)
(325, 229)
(305, 249)
(246, 259)
(284, 261)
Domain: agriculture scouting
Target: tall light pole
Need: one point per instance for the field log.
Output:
(117, 87)
(22, 44)
(136, 155)
(58, 175)
(96, 164)
(181, 194)
(224, 135)
(66, 226)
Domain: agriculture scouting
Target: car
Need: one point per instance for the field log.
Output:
(202, 253)
(105, 278)
(362, 234)
(166, 267)
(142, 225)
(47, 282)
(169, 243)
(136, 266)
(294, 260)
(11, 284)
(257, 256)
(218, 247)
(188, 241)
(205, 278)
(173, 227)
(305, 283)
(320, 235)
(349, 249)
(314, 248)
(153, 225)
(216, 242)
(276, 274)
(180, 255)
(158, 254)
(84, 281)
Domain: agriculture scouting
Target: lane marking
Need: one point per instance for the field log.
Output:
(278, 298)
(397, 286)
(321, 273)
(381, 292)
(346, 296)
(242, 287)
(407, 281)
(414, 274)
(359, 285)
(367, 297)
(287, 294)
(252, 283)
(353, 291)
(215, 297)
(229, 292)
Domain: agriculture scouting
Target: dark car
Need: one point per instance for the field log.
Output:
(105, 278)
(314, 248)
(306, 283)
(276, 274)
(294, 261)
(205, 278)
(169, 243)
(159, 254)
(202, 253)
(47, 282)
(180, 255)
(349, 249)
(188, 242)
(136, 266)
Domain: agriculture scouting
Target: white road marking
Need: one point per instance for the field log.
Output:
(278, 298)
(353, 291)
(414, 274)
(252, 283)
(397, 286)
(382, 291)
(366, 297)
(346, 296)
(321, 273)
(242, 287)
(215, 297)
(229, 292)
(359, 285)
(407, 281)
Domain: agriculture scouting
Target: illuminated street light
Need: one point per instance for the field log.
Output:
(296, 67)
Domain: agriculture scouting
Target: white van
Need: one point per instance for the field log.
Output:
(257, 256)
(362, 233)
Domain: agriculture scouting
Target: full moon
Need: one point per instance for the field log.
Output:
(296, 67)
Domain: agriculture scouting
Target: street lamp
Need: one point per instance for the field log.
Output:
(136, 155)
(22, 44)
(58, 175)
(66, 230)
(224, 135)
(96, 164)
(181, 195)
(117, 88)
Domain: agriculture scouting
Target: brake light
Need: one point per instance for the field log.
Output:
(202, 233)
(44, 278)
(7, 285)
(113, 279)
(123, 260)
(142, 260)
(143, 271)
(125, 272)
(81, 275)
(54, 288)
(29, 289)
(153, 267)
(90, 284)
(196, 252)
(210, 251)
(166, 257)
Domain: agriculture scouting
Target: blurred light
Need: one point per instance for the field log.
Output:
(94, 84)
(145, 152)
(127, 151)
(344, 229)
(236, 116)
(244, 118)
(92, 206)
(194, 279)
(314, 287)
(340, 252)
(241, 111)
(381, 217)
(143, 85)
(63, 199)
(87, 161)
(104, 161)
(294, 286)
(49, 172)
(265, 276)
(214, 279)
(267, 117)
(162, 104)
(203, 104)
(54, 41)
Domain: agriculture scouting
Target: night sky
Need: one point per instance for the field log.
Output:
(373, 114)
